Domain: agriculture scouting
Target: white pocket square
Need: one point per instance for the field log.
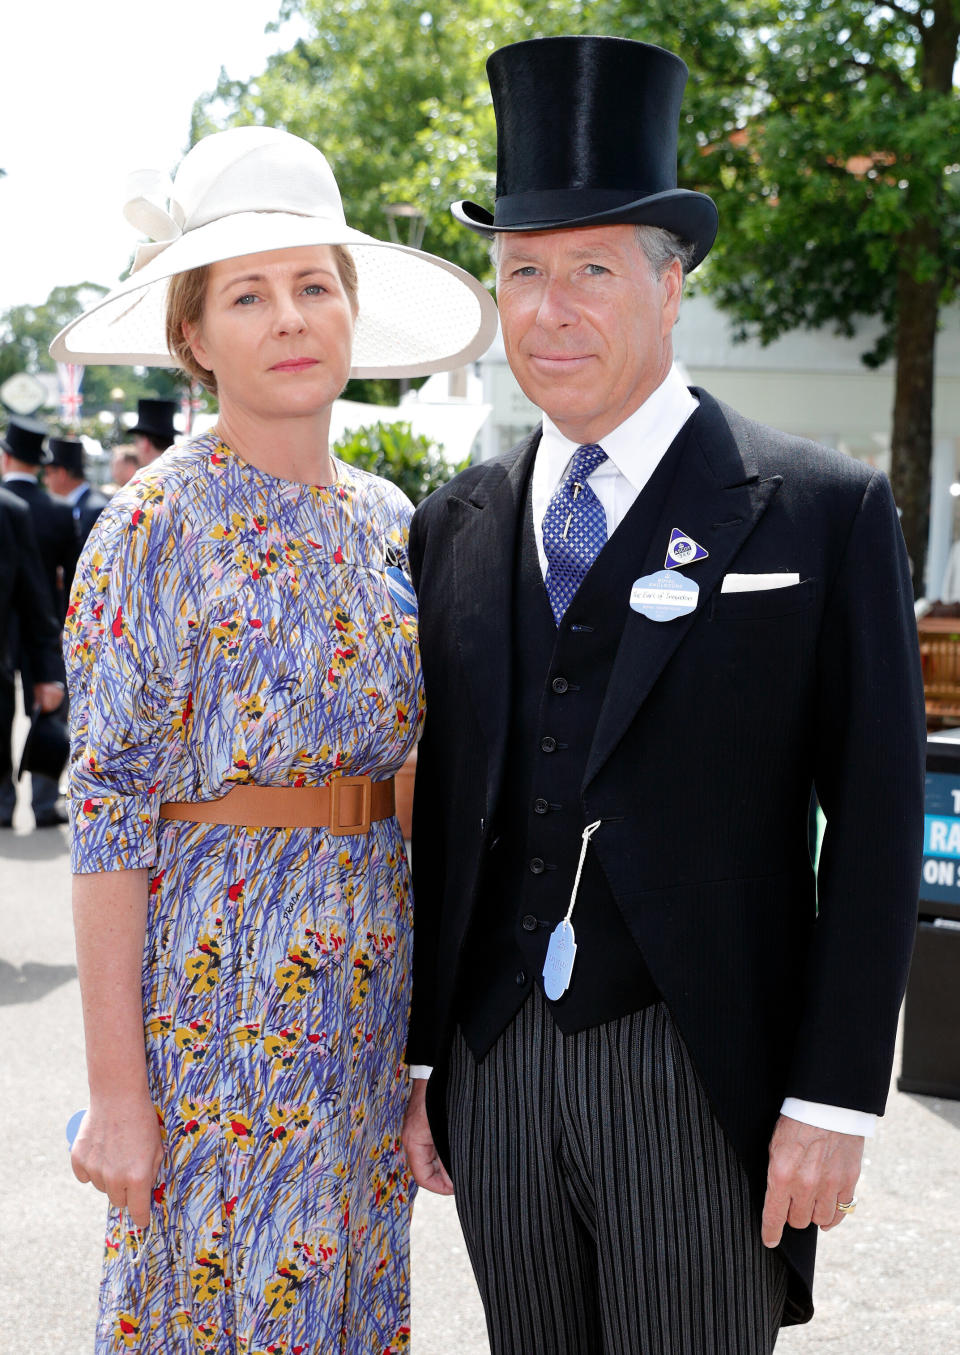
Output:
(753, 583)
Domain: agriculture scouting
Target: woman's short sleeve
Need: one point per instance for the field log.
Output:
(127, 652)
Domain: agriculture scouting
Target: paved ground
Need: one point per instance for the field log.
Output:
(889, 1280)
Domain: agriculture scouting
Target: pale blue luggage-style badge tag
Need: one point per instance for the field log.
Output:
(683, 550)
(664, 596)
(562, 950)
(401, 590)
(558, 966)
(73, 1126)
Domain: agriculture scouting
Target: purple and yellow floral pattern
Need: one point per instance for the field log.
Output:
(226, 627)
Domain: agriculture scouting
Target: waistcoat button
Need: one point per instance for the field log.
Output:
(537, 866)
(521, 978)
(560, 685)
(540, 806)
(529, 923)
(548, 744)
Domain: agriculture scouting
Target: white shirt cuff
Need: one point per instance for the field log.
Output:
(837, 1118)
(420, 1070)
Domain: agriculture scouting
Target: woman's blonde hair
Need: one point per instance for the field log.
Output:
(187, 293)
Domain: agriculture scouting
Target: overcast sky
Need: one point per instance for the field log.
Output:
(89, 92)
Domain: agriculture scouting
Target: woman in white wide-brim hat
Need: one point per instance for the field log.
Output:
(244, 682)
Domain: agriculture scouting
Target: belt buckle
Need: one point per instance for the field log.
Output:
(352, 826)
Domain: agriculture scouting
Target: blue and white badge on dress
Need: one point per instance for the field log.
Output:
(664, 596)
(683, 550)
(401, 590)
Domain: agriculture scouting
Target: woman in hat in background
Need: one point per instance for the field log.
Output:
(245, 681)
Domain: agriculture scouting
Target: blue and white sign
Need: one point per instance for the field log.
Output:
(940, 877)
(664, 596)
(401, 590)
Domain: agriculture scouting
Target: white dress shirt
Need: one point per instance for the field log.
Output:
(634, 450)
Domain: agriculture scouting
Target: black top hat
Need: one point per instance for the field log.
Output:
(68, 453)
(587, 136)
(24, 440)
(155, 419)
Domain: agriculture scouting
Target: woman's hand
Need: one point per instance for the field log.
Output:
(118, 1143)
(118, 1150)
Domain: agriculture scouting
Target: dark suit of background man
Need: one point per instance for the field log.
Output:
(661, 623)
(24, 595)
(66, 477)
(23, 455)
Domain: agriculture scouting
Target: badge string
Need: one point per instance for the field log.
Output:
(587, 834)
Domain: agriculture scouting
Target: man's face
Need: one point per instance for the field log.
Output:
(57, 480)
(586, 324)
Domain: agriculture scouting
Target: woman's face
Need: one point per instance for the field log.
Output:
(276, 331)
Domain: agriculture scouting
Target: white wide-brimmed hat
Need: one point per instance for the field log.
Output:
(255, 189)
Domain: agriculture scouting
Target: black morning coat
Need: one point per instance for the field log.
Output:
(714, 727)
(24, 603)
(56, 537)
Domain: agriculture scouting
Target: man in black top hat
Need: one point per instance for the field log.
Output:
(648, 633)
(24, 596)
(66, 477)
(23, 455)
(154, 432)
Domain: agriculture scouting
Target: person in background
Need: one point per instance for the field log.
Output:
(657, 1038)
(24, 595)
(123, 467)
(24, 454)
(153, 432)
(65, 475)
(244, 683)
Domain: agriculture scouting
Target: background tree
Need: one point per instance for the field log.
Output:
(838, 193)
(26, 332)
(825, 129)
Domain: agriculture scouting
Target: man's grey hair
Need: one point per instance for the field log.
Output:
(659, 245)
(662, 246)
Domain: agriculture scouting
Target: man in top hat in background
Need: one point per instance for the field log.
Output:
(24, 596)
(66, 477)
(153, 432)
(23, 455)
(647, 633)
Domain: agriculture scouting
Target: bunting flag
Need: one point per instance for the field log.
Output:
(190, 405)
(70, 376)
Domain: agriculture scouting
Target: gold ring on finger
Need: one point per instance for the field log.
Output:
(848, 1208)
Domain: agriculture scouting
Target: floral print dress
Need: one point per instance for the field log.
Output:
(226, 627)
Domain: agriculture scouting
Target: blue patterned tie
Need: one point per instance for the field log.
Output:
(574, 529)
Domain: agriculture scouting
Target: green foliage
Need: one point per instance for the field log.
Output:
(26, 332)
(412, 462)
(847, 139)
(824, 129)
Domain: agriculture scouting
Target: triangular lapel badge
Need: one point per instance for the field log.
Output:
(683, 550)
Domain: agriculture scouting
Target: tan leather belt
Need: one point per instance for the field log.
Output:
(346, 805)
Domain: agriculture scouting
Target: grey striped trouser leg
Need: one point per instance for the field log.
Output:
(603, 1208)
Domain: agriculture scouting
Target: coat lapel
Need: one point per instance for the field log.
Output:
(484, 541)
(717, 498)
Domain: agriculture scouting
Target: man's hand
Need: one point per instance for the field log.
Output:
(428, 1171)
(810, 1169)
(48, 696)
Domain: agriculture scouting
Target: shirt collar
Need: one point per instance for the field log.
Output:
(634, 449)
(76, 494)
(13, 475)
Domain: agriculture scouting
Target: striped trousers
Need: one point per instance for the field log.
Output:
(604, 1211)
